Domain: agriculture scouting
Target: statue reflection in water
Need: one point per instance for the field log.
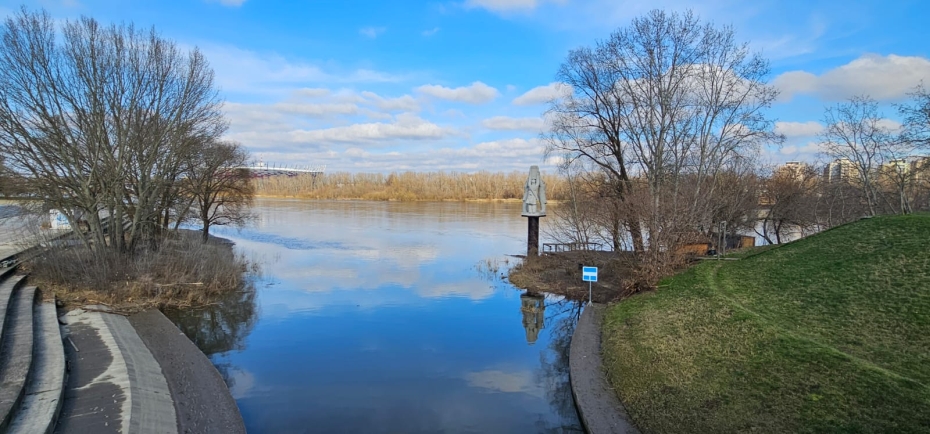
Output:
(533, 307)
(553, 375)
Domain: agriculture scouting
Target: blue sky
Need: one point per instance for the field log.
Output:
(374, 86)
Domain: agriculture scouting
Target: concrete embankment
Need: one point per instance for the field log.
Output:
(201, 399)
(127, 375)
(598, 407)
(141, 375)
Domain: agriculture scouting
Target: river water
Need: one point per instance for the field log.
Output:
(386, 317)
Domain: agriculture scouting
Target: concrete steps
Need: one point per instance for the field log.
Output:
(41, 405)
(32, 365)
(16, 352)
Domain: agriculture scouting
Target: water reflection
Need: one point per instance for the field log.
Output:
(554, 372)
(375, 318)
(533, 307)
(221, 327)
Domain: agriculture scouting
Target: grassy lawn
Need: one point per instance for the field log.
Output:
(827, 334)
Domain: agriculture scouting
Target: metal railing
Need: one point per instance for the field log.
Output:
(570, 247)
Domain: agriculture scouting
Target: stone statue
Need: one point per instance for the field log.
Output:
(534, 195)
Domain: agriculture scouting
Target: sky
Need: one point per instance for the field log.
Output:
(462, 85)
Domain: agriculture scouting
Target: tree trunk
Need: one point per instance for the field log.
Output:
(636, 233)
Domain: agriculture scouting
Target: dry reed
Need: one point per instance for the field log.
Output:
(182, 272)
(408, 186)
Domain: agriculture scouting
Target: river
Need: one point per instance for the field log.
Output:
(389, 317)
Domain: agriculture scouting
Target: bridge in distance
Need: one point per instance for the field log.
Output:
(263, 170)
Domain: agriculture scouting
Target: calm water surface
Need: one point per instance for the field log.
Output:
(376, 317)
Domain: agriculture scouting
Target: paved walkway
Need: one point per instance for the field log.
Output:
(141, 375)
(115, 384)
(600, 410)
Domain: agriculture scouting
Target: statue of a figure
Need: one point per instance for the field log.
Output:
(534, 195)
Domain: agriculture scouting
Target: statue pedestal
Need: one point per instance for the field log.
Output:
(532, 236)
(534, 207)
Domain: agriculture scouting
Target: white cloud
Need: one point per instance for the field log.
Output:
(315, 109)
(356, 153)
(799, 129)
(543, 94)
(509, 148)
(883, 78)
(239, 70)
(507, 382)
(232, 3)
(506, 123)
(405, 127)
(430, 32)
(403, 103)
(807, 150)
(372, 32)
(310, 92)
(417, 155)
(890, 125)
(475, 93)
(503, 5)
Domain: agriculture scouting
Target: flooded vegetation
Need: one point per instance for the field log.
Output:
(181, 272)
(389, 317)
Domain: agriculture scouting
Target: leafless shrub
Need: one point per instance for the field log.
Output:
(183, 272)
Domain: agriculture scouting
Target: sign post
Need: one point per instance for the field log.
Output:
(589, 274)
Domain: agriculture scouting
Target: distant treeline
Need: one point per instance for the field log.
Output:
(408, 186)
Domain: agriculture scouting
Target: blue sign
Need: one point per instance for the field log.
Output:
(589, 274)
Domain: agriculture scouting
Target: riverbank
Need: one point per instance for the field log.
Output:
(598, 407)
(408, 186)
(182, 273)
(825, 334)
(135, 374)
(561, 274)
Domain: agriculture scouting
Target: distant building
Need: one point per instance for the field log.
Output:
(900, 165)
(918, 166)
(910, 169)
(793, 169)
(841, 170)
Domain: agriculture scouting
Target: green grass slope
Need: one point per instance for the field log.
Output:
(827, 334)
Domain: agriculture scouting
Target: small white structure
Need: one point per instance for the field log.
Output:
(58, 221)
(534, 195)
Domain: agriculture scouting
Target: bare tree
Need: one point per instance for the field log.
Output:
(855, 132)
(915, 137)
(97, 119)
(916, 116)
(220, 189)
(668, 100)
(736, 202)
(575, 221)
(788, 199)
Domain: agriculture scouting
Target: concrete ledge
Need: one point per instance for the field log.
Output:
(115, 384)
(202, 400)
(16, 355)
(598, 407)
(45, 387)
